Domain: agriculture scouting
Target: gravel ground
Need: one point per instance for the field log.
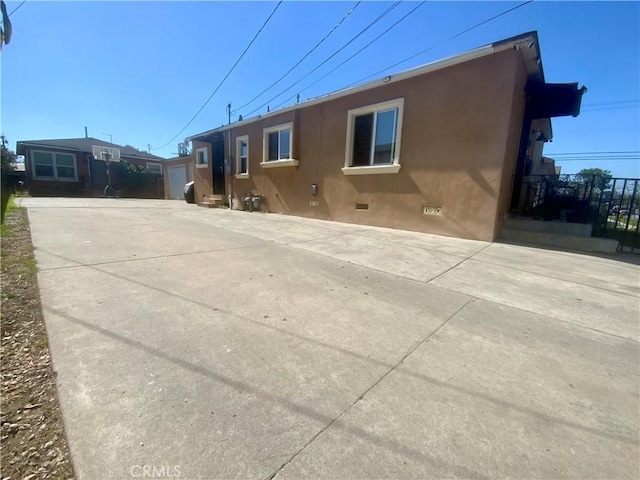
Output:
(33, 443)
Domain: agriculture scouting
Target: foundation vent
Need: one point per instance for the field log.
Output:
(362, 206)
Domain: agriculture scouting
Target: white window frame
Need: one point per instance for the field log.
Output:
(286, 162)
(154, 164)
(206, 157)
(55, 177)
(393, 167)
(239, 140)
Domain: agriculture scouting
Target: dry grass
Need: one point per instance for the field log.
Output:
(33, 443)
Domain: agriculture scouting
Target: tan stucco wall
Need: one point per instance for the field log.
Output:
(460, 124)
(512, 145)
(202, 177)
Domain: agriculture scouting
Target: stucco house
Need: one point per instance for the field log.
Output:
(177, 172)
(76, 166)
(441, 148)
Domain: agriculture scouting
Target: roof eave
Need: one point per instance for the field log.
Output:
(528, 42)
(35, 144)
(403, 75)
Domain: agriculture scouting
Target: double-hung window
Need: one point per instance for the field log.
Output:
(242, 156)
(373, 138)
(54, 166)
(201, 157)
(278, 146)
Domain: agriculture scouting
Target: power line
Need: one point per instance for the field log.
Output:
(357, 53)
(303, 58)
(13, 11)
(443, 42)
(614, 102)
(600, 130)
(225, 77)
(380, 17)
(594, 159)
(619, 107)
(629, 152)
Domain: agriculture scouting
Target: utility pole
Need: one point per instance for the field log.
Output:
(229, 111)
(149, 147)
(4, 141)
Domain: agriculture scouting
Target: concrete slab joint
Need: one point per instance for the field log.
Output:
(225, 344)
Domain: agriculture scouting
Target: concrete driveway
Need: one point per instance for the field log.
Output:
(204, 343)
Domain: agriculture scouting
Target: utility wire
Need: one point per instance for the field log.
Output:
(595, 159)
(619, 107)
(443, 42)
(303, 58)
(352, 56)
(627, 152)
(613, 102)
(225, 77)
(380, 17)
(12, 11)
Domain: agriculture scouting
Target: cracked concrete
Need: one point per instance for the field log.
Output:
(236, 345)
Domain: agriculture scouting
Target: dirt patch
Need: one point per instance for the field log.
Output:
(33, 443)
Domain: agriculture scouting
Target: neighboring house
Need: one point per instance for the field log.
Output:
(18, 176)
(547, 167)
(435, 149)
(177, 172)
(76, 166)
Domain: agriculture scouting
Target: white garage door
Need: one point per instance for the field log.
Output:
(177, 179)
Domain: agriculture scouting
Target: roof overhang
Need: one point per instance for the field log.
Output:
(47, 145)
(527, 43)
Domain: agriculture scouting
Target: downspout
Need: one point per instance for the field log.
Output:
(317, 189)
(229, 169)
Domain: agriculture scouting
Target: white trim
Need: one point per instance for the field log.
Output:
(372, 170)
(265, 143)
(54, 165)
(239, 174)
(414, 72)
(206, 157)
(375, 108)
(156, 164)
(290, 162)
(242, 176)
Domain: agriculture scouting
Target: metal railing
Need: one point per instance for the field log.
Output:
(557, 197)
(616, 213)
(611, 205)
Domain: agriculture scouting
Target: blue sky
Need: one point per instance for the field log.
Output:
(139, 71)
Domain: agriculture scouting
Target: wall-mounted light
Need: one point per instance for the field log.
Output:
(314, 189)
(386, 79)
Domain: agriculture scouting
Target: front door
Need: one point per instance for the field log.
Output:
(218, 166)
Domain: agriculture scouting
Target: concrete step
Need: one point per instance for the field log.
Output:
(569, 242)
(554, 227)
(212, 201)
